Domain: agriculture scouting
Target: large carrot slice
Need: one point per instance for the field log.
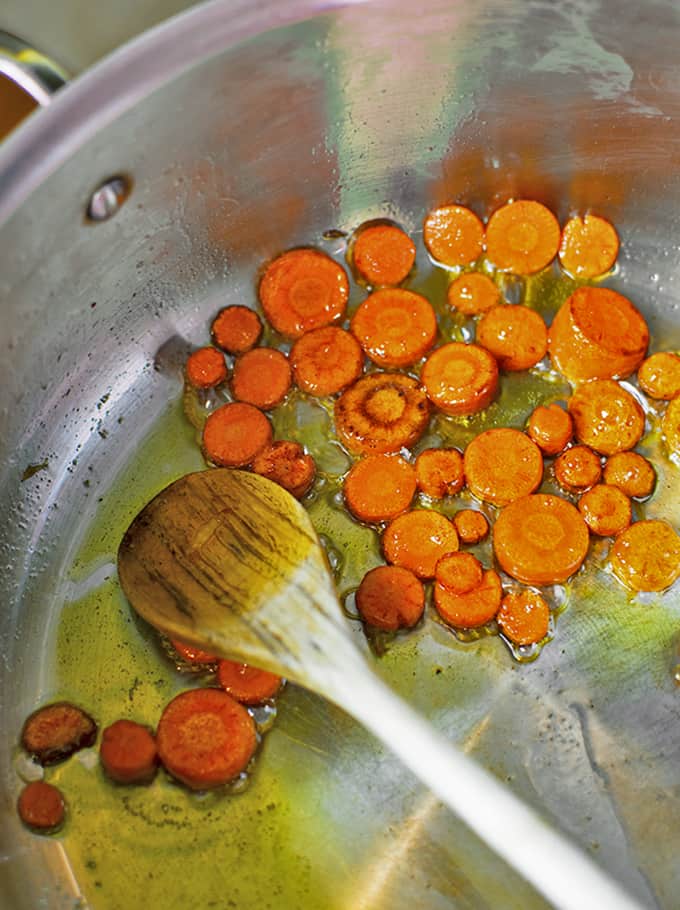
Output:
(516, 336)
(551, 428)
(473, 293)
(522, 237)
(390, 598)
(502, 465)
(235, 433)
(41, 807)
(606, 417)
(128, 752)
(589, 246)
(453, 235)
(261, 377)
(631, 473)
(382, 254)
(524, 617)
(646, 556)
(326, 361)
(52, 733)
(395, 327)
(471, 610)
(459, 573)
(439, 472)
(417, 541)
(379, 487)
(606, 510)
(659, 375)
(460, 378)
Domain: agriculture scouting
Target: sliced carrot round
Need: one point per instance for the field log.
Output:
(395, 327)
(659, 375)
(589, 246)
(606, 417)
(577, 469)
(524, 617)
(41, 806)
(606, 510)
(54, 732)
(670, 427)
(128, 752)
(473, 293)
(382, 254)
(417, 540)
(302, 290)
(453, 235)
(235, 433)
(631, 473)
(459, 573)
(381, 412)
(439, 472)
(516, 336)
(646, 556)
(522, 237)
(261, 377)
(551, 428)
(502, 465)
(471, 525)
(192, 655)
(379, 487)
(471, 610)
(248, 685)
(206, 368)
(287, 464)
(460, 378)
(390, 598)
(540, 539)
(236, 329)
(326, 360)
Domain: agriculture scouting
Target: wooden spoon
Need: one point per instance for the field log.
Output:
(230, 562)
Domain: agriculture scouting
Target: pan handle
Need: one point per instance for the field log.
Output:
(35, 74)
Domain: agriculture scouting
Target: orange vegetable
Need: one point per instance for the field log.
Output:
(606, 417)
(390, 598)
(326, 360)
(262, 377)
(395, 327)
(646, 556)
(670, 427)
(516, 336)
(41, 807)
(522, 237)
(128, 752)
(236, 329)
(287, 464)
(631, 473)
(459, 573)
(589, 246)
(55, 731)
(659, 375)
(206, 368)
(524, 617)
(551, 428)
(192, 655)
(235, 433)
(248, 685)
(502, 465)
(460, 378)
(540, 539)
(578, 469)
(205, 738)
(471, 610)
(473, 293)
(379, 487)
(606, 510)
(417, 540)
(471, 525)
(382, 254)
(439, 472)
(453, 235)
(302, 290)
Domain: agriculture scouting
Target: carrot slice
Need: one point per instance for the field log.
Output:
(471, 525)
(597, 334)
(417, 540)
(236, 329)
(439, 472)
(473, 293)
(577, 469)
(670, 427)
(326, 360)
(459, 573)
(302, 290)
(460, 378)
(206, 368)
(631, 473)
(589, 246)
(540, 539)
(248, 685)
(395, 327)
(646, 556)
(516, 336)
(235, 433)
(453, 235)
(390, 598)
(41, 807)
(128, 752)
(287, 464)
(606, 417)
(551, 428)
(192, 655)
(205, 738)
(382, 254)
(55, 731)
(262, 377)
(379, 487)
(471, 610)
(502, 465)
(606, 510)
(382, 412)
(524, 617)
(659, 375)
(522, 237)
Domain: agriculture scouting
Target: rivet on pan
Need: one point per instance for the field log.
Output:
(108, 198)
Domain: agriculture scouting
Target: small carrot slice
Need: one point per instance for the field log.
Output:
(236, 329)
(631, 473)
(326, 361)
(473, 293)
(248, 685)
(206, 368)
(460, 378)
(302, 290)
(670, 427)
(459, 573)
(471, 525)
(540, 539)
(235, 433)
(453, 235)
(381, 412)
(382, 254)
(551, 428)
(597, 334)
(589, 246)
(516, 336)
(439, 472)
(417, 541)
(471, 610)
(205, 738)
(128, 752)
(191, 655)
(379, 487)
(606, 417)
(261, 377)
(55, 731)
(390, 598)
(577, 469)
(606, 510)
(395, 327)
(524, 617)
(502, 465)
(659, 375)
(646, 556)
(522, 237)
(41, 807)
(287, 464)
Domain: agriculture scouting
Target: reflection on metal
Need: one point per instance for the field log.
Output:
(108, 198)
(32, 71)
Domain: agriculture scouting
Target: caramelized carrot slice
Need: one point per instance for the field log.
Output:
(326, 361)
(379, 487)
(439, 472)
(262, 377)
(287, 464)
(128, 752)
(589, 246)
(382, 254)
(524, 617)
(206, 368)
(460, 378)
(522, 237)
(236, 329)
(417, 540)
(471, 610)
(459, 573)
(516, 336)
(631, 473)
(41, 807)
(606, 417)
(606, 510)
(55, 731)
(502, 465)
(234, 434)
(659, 375)
(577, 469)
(646, 556)
(248, 685)
(395, 327)
(390, 598)
(473, 293)
(551, 428)
(192, 655)
(540, 539)
(471, 525)
(453, 235)
(302, 290)
(670, 427)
